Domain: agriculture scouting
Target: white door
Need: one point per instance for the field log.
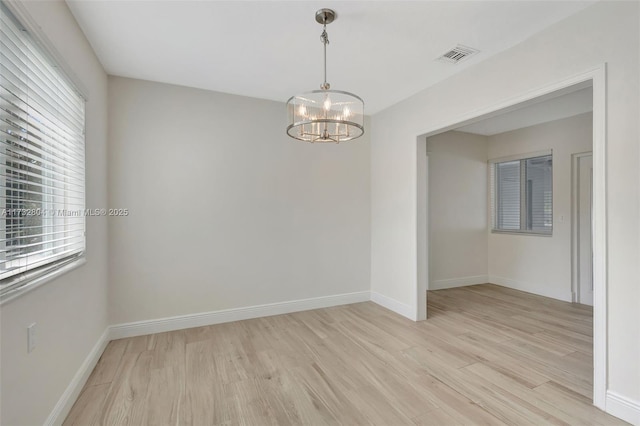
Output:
(585, 250)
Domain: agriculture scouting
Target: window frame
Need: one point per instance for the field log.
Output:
(14, 286)
(524, 193)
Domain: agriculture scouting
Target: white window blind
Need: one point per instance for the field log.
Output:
(522, 194)
(508, 193)
(42, 176)
(539, 201)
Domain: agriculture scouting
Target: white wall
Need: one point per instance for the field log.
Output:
(226, 210)
(605, 32)
(457, 209)
(541, 264)
(71, 311)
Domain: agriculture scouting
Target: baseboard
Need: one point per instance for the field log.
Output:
(141, 328)
(458, 282)
(529, 288)
(393, 305)
(616, 405)
(623, 408)
(70, 395)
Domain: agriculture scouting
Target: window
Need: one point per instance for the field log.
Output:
(522, 195)
(42, 225)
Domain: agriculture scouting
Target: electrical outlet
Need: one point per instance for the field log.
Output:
(31, 337)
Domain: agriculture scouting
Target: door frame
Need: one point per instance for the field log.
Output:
(575, 229)
(597, 77)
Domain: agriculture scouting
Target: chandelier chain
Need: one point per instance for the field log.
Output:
(324, 37)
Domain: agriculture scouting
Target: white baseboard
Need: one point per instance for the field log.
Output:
(70, 395)
(141, 328)
(458, 282)
(623, 408)
(530, 288)
(616, 405)
(393, 305)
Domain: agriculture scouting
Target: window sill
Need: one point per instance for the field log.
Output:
(37, 282)
(532, 233)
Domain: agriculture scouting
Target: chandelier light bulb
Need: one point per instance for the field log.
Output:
(327, 103)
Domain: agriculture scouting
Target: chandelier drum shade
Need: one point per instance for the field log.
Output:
(325, 115)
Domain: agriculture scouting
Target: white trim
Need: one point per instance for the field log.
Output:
(515, 232)
(525, 156)
(39, 281)
(530, 287)
(458, 282)
(71, 393)
(599, 236)
(624, 408)
(393, 305)
(141, 328)
(597, 77)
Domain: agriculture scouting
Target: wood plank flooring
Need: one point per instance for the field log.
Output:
(487, 355)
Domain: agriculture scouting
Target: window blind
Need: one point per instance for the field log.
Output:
(539, 193)
(522, 194)
(42, 172)
(508, 195)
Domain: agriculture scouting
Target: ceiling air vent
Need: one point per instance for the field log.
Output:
(457, 54)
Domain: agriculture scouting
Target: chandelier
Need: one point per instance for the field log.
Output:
(325, 115)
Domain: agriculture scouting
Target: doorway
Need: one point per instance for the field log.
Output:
(595, 77)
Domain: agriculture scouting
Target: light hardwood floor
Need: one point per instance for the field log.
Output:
(486, 355)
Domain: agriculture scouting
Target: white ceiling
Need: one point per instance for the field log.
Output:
(566, 105)
(384, 51)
